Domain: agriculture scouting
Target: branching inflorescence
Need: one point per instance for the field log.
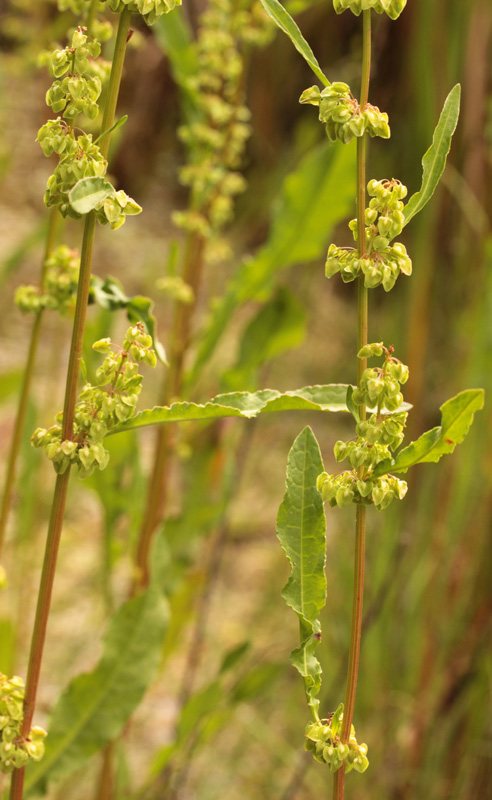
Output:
(79, 156)
(376, 402)
(216, 138)
(100, 407)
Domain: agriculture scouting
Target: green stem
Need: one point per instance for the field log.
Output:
(20, 419)
(91, 16)
(115, 80)
(59, 499)
(360, 521)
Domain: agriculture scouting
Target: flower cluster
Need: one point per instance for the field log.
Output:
(216, 139)
(100, 407)
(392, 8)
(79, 156)
(342, 115)
(377, 437)
(16, 750)
(59, 289)
(382, 262)
(323, 740)
(149, 9)
(78, 92)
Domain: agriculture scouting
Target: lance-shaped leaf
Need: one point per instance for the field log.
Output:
(282, 18)
(331, 397)
(434, 159)
(94, 708)
(301, 531)
(89, 193)
(457, 416)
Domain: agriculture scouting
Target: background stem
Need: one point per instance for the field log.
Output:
(20, 419)
(171, 388)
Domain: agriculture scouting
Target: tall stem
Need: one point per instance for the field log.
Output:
(360, 520)
(25, 390)
(59, 499)
(180, 339)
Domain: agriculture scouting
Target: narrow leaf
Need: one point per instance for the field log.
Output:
(301, 532)
(457, 416)
(119, 122)
(243, 404)
(434, 159)
(282, 18)
(95, 706)
(88, 193)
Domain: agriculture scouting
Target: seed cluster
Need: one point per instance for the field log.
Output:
(100, 407)
(15, 751)
(61, 274)
(377, 438)
(392, 8)
(216, 139)
(342, 115)
(383, 261)
(323, 740)
(79, 156)
(149, 9)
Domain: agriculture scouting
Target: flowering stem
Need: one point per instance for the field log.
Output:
(59, 499)
(360, 521)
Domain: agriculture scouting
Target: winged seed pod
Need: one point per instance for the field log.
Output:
(150, 10)
(392, 8)
(15, 751)
(112, 400)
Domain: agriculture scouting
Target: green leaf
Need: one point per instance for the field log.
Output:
(315, 197)
(301, 530)
(282, 18)
(354, 410)
(139, 308)
(109, 294)
(88, 193)
(94, 708)
(457, 416)
(434, 160)
(279, 325)
(243, 404)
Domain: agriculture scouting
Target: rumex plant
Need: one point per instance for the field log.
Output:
(376, 402)
(94, 710)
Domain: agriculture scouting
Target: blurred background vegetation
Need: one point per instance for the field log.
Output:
(227, 715)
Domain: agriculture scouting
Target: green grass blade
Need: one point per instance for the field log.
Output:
(95, 706)
(457, 416)
(434, 159)
(301, 531)
(284, 21)
(331, 397)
